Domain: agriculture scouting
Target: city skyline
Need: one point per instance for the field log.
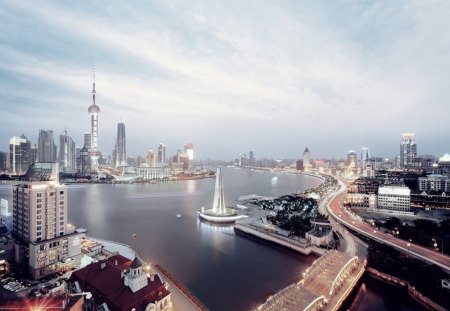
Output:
(330, 77)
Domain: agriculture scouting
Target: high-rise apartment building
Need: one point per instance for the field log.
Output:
(408, 150)
(151, 160)
(120, 151)
(67, 153)
(20, 156)
(46, 147)
(44, 239)
(162, 153)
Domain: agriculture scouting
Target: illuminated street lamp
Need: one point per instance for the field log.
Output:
(436, 245)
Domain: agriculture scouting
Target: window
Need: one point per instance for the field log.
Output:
(39, 195)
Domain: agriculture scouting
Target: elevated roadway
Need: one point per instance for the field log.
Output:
(340, 214)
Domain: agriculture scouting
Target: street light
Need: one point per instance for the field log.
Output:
(436, 245)
(409, 251)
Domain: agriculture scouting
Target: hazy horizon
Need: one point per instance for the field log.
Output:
(230, 77)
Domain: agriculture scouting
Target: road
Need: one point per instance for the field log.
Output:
(340, 214)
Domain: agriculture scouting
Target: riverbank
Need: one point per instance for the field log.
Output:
(412, 292)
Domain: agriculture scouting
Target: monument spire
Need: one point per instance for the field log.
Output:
(93, 86)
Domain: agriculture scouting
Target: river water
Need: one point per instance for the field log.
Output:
(224, 270)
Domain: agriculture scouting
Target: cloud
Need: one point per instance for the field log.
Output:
(250, 75)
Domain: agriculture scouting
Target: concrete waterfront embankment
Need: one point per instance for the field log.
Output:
(305, 249)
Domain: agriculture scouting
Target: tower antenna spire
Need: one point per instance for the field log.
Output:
(93, 85)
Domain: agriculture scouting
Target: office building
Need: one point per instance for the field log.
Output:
(87, 138)
(20, 156)
(67, 153)
(162, 153)
(408, 150)
(120, 151)
(394, 197)
(306, 159)
(151, 160)
(251, 159)
(352, 159)
(365, 156)
(44, 239)
(83, 161)
(46, 147)
(4, 162)
(434, 183)
(149, 173)
(189, 150)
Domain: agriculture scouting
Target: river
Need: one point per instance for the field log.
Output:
(224, 270)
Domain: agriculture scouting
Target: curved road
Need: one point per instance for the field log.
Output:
(340, 214)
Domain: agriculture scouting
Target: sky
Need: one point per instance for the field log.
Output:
(230, 76)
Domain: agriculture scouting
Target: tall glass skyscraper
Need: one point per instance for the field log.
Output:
(46, 147)
(67, 153)
(121, 151)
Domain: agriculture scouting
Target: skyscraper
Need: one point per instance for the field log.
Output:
(94, 110)
(44, 239)
(151, 161)
(352, 159)
(87, 138)
(189, 150)
(120, 156)
(306, 159)
(4, 161)
(46, 147)
(408, 149)
(365, 156)
(20, 154)
(67, 153)
(162, 153)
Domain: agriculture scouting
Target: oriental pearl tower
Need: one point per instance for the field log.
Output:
(94, 110)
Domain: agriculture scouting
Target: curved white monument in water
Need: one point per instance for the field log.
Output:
(218, 212)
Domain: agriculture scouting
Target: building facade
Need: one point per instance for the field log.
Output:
(44, 239)
(4, 162)
(120, 150)
(67, 153)
(408, 150)
(20, 154)
(434, 183)
(394, 197)
(162, 153)
(46, 147)
(149, 173)
(306, 159)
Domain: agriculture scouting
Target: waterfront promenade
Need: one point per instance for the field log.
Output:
(324, 285)
(330, 279)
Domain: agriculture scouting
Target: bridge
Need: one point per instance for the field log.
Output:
(324, 285)
(340, 214)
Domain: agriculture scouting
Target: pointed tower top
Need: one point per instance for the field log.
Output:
(93, 108)
(306, 150)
